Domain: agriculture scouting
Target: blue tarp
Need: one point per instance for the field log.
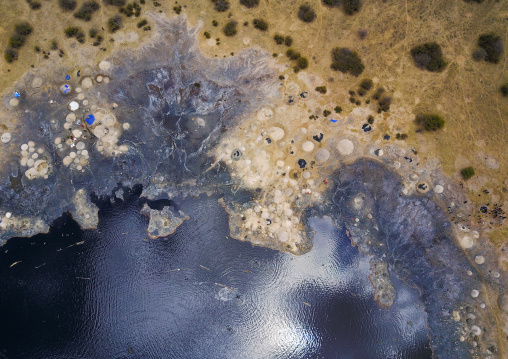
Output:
(90, 119)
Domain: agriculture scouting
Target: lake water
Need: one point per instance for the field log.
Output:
(195, 294)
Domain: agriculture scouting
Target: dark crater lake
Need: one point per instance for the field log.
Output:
(195, 294)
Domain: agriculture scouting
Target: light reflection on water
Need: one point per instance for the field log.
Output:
(196, 294)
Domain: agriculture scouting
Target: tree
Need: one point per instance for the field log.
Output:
(67, 5)
(351, 6)
(504, 89)
(221, 5)
(430, 122)
(306, 13)
(492, 45)
(467, 172)
(260, 24)
(346, 61)
(230, 28)
(115, 23)
(249, 3)
(429, 56)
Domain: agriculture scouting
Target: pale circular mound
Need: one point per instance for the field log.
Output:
(283, 236)
(126, 126)
(466, 242)
(24, 147)
(14, 102)
(77, 133)
(73, 106)
(288, 192)
(87, 82)
(31, 173)
(67, 160)
(307, 146)
(80, 146)
(438, 189)
(30, 162)
(322, 155)
(306, 175)
(70, 117)
(104, 65)
(37, 82)
(99, 79)
(475, 293)
(275, 133)
(345, 147)
(65, 89)
(6, 137)
(476, 330)
(502, 302)
(479, 259)
(413, 177)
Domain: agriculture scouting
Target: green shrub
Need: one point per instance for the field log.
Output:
(94, 32)
(351, 6)
(384, 104)
(337, 109)
(467, 172)
(221, 5)
(71, 31)
(115, 2)
(23, 28)
(80, 36)
(428, 56)
(476, 1)
(16, 41)
(86, 10)
(492, 45)
(54, 45)
(292, 54)
(306, 13)
(37, 48)
(230, 28)
(379, 92)
(326, 113)
(504, 89)
(177, 9)
(288, 41)
(249, 3)
(260, 24)
(430, 122)
(207, 34)
(346, 61)
(370, 119)
(142, 23)
(115, 23)
(67, 5)
(321, 89)
(331, 3)
(10, 55)
(215, 23)
(302, 63)
(34, 4)
(366, 84)
(279, 39)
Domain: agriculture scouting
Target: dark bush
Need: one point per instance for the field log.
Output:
(430, 122)
(480, 54)
(71, 31)
(467, 172)
(249, 3)
(10, 55)
(37, 48)
(230, 28)
(379, 92)
(142, 23)
(384, 104)
(476, 1)
(34, 4)
(23, 28)
(292, 54)
(93, 33)
(337, 109)
(321, 89)
(306, 13)
(326, 113)
(281, 77)
(370, 119)
(504, 89)
(177, 9)
(492, 45)
(207, 34)
(16, 41)
(302, 63)
(331, 3)
(352, 93)
(346, 61)
(351, 6)
(98, 41)
(67, 5)
(221, 5)
(115, 2)
(115, 23)
(428, 56)
(362, 34)
(279, 39)
(80, 36)
(86, 10)
(366, 84)
(288, 41)
(361, 91)
(54, 45)
(260, 24)
(215, 23)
